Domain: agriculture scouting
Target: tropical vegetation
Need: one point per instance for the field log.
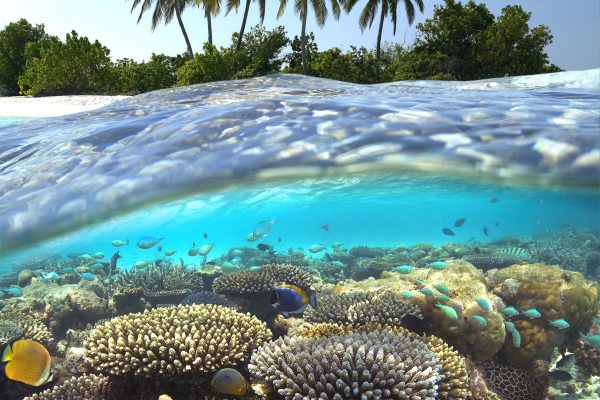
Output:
(460, 42)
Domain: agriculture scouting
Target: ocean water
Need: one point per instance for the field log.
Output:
(4, 121)
(389, 167)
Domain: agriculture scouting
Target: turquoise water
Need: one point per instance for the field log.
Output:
(4, 121)
(361, 189)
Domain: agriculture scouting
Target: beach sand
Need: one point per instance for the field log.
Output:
(52, 106)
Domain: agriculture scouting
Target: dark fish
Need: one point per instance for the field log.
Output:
(413, 324)
(290, 251)
(560, 375)
(113, 261)
(263, 246)
(205, 235)
(494, 200)
(279, 239)
(459, 222)
(290, 299)
(448, 231)
(477, 250)
(497, 223)
(485, 231)
(325, 227)
(565, 360)
(159, 248)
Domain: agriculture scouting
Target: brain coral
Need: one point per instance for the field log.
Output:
(251, 283)
(88, 387)
(9, 331)
(181, 341)
(511, 383)
(376, 364)
(360, 308)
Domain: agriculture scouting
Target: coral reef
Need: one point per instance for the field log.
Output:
(31, 321)
(204, 297)
(511, 383)
(361, 308)
(9, 331)
(129, 300)
(88, 387)
(182, 341)
(555, 293)
(25, 277)
(379, 364)
(587, 359)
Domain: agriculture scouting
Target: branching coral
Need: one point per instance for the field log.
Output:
(9, 331)
(361, 308)
(88, 387)
(252, 283)
(180, 341)
(376, 364)
(31, 324)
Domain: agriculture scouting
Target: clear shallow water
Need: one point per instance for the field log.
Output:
(5, 121)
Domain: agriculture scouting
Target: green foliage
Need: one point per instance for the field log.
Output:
(259, 55)
(465, 42)
(294, 59)
(130, 77)
(13, 41)
(76, 66)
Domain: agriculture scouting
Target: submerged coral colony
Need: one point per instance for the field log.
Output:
(511, 319)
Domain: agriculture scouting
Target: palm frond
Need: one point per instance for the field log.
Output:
(282, 4)
(349, 5)
(335, 8)
(394, 14)
(410, 11)
(367, 15)
(231, 4)
(300, 6)
(321, 12)
(261, 10)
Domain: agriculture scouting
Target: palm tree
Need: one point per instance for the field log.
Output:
(164, 11)
(235, 4)
(211, 8)
(301, 8)
(387, 7)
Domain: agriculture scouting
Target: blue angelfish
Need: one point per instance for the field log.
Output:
(290, 299)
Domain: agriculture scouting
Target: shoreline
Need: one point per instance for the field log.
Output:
(52, 106)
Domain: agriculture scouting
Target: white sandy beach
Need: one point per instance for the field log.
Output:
(51, 106)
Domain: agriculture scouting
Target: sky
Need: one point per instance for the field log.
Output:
(575, 26)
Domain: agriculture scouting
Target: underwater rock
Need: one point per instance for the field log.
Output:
(465, 284)
(556, 294)
(288, 366)
(129, 300)
(25, 277)
(183, 342)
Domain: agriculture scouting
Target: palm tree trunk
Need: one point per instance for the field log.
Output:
(239, 42)
(380, 31)
(185, 36)
(303, 39)
(209, 24)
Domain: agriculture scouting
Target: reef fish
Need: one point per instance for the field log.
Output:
(596, 321)
(448, 311)
(336, 245)
(193, 251)
(483, 304)
(140, 264)
(560, 375)
(113, 260)
(479, 320)
(170, 252)
(532, 313)
(85, 257)
(459, 222)
(98, 256)
(147, 242)
(438, 265)
(325, 227)
(442, 298)
(407, 295)
(28, 362)
(485, 231)
(87, 276)
(510, 311)
(229, 381)
(338, 263)
(509, 326)
(426, 291)
(442, 289)
(403, 269)
(494, 200)
(261, 229)
(560, 324)
(290, 299)
(592, 340)
(516, 337)
(119, 243)
(447, 231)
(50, 276)
(315, 248)
(205, 249)
(13, 291)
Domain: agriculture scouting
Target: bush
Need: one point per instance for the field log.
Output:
(76, 66)
(130, 77)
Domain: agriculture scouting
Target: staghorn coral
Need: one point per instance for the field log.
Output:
(204, 297)
(88, 387)
(182, 341)
(511, 383)
(376, 364)
(9, 331)
(454, 384)
(361, 308)
(249, 284)
(161, 284)
(486, 262)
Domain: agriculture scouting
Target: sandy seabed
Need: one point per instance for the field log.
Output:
(52, 106)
